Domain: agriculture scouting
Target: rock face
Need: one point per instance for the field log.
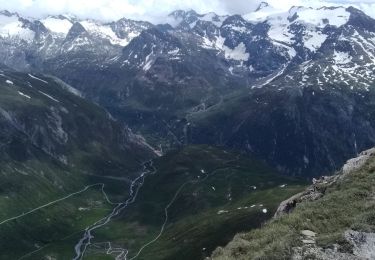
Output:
(363, 243)
(39, 113)
(314, 192)
(363, 248)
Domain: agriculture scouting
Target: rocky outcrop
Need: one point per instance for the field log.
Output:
(362, 244)
(313, 192)
(319, 186)
(358, 162)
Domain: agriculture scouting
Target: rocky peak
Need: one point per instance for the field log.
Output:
(7, 13)
(261, 6)
(128, 29)
(35, 26)
(71, 18)
(186, 20)
(76, 31)
(188, 16)
(206, 28)
(360, 20)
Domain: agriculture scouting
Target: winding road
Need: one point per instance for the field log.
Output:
(166, 213)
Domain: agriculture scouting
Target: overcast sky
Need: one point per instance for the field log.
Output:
(152, 9)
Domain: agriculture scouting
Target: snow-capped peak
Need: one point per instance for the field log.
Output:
(263, 11)
(190, 18)
(62, 26)
(7, 13)
(12, 26)
(313, 20)
(320, 17)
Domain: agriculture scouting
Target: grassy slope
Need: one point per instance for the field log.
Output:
(349, 204)
(96, 149)
(194, 227)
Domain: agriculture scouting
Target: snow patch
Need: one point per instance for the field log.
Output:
(239, 29)
(341, 58)
(222, 212)
(261, 14)
(174, 52)
(279, 31)
(78, 42)
(24, 95)
(272, 77)
(322, 16)
(238, 53)
(31, 76)
(59, 26)
(106, 32)
(149, 61)
(314, 40)
(41, 92)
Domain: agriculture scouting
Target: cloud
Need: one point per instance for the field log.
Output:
(239, 6)
(153, 9)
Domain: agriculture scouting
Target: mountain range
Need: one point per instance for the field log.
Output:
(262, 82)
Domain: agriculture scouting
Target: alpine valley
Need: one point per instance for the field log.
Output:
(134, 140)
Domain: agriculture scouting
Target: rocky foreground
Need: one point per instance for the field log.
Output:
(332, 219)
